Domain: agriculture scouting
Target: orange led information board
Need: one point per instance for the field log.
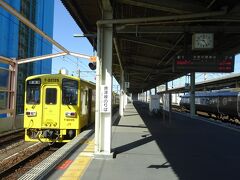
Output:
(203, 63)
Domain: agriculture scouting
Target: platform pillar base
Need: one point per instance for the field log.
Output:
(103, 156)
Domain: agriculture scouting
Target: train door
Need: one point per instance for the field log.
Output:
(238, 105)
(51, 107)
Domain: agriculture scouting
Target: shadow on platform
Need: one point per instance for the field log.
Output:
(132, 145)
(195, 150)
(164, 165)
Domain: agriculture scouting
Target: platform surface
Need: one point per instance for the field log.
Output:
(147, 148)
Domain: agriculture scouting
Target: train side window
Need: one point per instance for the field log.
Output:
(51, 96)
(69, 92)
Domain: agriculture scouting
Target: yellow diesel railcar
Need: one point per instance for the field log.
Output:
(57, 107)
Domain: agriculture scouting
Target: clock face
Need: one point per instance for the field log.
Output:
(202, 41)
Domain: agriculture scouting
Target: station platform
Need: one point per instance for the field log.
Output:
(149, 148)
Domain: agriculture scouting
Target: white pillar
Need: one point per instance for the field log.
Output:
(98, 85)
(166, 88)
(103, 124)
(121, 105)
(170, 107)
(13, 95)
(125, 100)
(192, 95)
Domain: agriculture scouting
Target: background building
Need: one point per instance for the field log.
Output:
(18, 41)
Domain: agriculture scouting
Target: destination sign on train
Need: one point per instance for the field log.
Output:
(203, 63)
(33, 82)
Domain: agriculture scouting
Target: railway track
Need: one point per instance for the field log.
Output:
(17, 164)
(8, 138)
(17, 156)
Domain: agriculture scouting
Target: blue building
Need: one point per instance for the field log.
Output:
(18, 41)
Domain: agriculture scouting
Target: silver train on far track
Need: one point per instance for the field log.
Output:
(221, 103)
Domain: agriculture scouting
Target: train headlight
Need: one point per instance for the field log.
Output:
(70, 114)
(31, 113)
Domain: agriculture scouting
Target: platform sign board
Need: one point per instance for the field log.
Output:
(166, 102)
(105, 99)
(154, 104)
(204, 63)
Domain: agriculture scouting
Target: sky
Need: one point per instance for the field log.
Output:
(65, 27)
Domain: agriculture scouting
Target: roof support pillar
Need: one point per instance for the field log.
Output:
(146, 96)
(164, 101)
(125, 99)
(170, 108)
(103, 124)
(192, 95)
(121, 105)
(13, 89)
(237, 84)
(126, 79)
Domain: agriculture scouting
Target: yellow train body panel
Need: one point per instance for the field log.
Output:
(57, 107)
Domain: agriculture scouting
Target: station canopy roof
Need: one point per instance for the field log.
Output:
(164, 29)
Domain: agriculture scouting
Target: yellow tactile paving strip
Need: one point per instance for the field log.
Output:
(80, 164)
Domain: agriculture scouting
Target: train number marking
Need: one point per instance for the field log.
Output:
(51, 80)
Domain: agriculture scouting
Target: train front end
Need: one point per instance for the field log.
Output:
(50, 109)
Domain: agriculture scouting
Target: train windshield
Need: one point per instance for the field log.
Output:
(69, 92)
(33, 91)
